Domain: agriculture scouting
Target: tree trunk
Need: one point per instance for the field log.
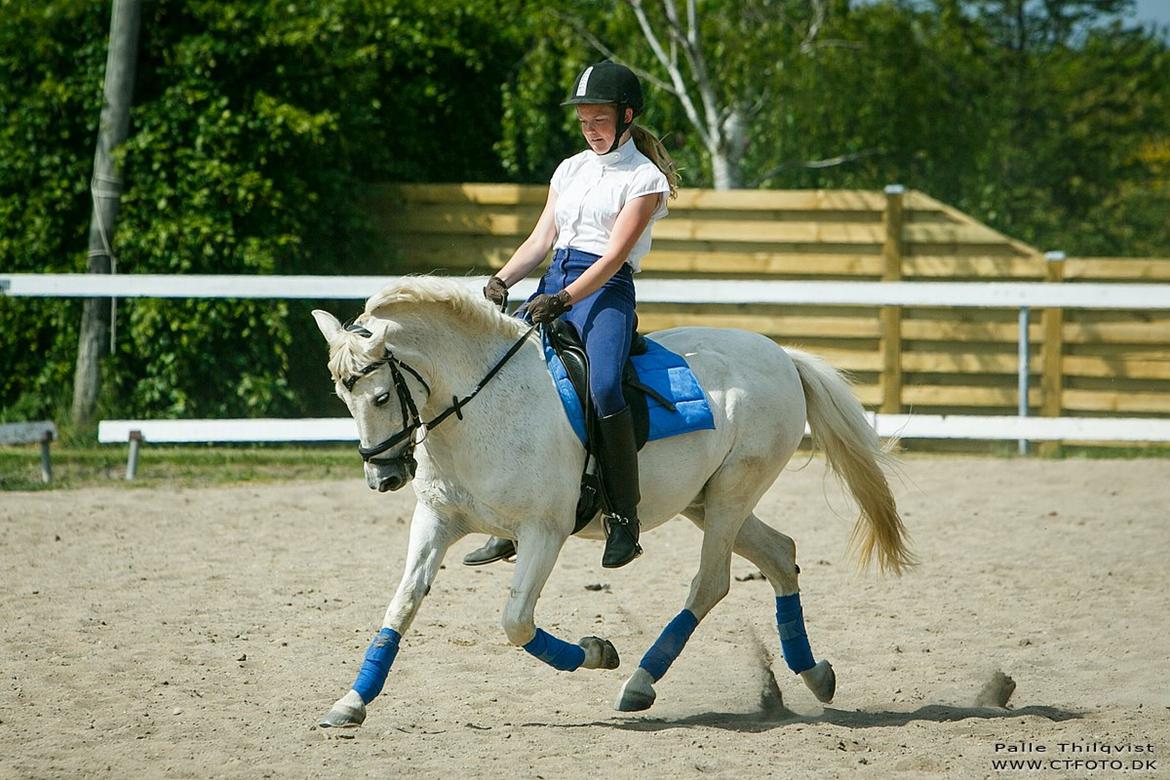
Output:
(106, 188)
(724, 170)
(727, 157)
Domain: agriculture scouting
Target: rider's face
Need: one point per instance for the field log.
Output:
(599, 125)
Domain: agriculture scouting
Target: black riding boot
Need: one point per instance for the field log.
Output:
(494, 549)
(619, 462)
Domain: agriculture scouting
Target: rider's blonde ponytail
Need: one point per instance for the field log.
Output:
(653, 149)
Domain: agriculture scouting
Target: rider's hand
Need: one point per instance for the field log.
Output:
(496, 292)
(543, 309)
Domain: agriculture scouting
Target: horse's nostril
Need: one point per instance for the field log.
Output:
(390, 483)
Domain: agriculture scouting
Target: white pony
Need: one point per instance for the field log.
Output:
(508, 463)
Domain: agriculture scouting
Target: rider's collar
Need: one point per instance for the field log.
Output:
(620, 154)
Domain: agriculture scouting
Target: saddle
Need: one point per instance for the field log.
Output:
(566, 342)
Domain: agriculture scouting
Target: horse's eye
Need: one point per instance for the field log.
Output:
(382, 399)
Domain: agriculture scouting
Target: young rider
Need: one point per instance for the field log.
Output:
(601, 207)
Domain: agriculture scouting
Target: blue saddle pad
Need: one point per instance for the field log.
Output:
(659, 368)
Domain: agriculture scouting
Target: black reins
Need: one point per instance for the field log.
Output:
(407, 404)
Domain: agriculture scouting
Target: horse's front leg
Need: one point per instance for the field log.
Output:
(536, 554)
(429, 539)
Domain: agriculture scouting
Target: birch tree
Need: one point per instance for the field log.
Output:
(716, 59)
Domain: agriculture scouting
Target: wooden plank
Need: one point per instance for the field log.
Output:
(776, 215)
(1117, 367)
(1127, 401)
(982, 363)
(869, 395)
(1145, 269)
(786, 326)
(428, 219)
(962, 396)
(893, 230)
(786, 232)
(952, 233)
(1052, 350)
(1052, 324)
(772, 263)
(688, 198)
(1117, 332)
(845, 359)
(683, 256)
(789, 200)
(942, 330)
(919, 201)
(27, 432)
(980, 267)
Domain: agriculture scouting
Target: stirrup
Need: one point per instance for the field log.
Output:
(494, 549)
(621, 540)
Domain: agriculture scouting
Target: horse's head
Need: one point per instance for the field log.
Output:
(380, 392)
(386, 393)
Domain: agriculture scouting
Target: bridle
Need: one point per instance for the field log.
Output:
(412, 421)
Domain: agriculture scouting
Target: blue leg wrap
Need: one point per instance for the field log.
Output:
(556, 653)
(669, 644)
(379, 656)
(793, 640)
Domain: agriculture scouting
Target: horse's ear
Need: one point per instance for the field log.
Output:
(327, 323)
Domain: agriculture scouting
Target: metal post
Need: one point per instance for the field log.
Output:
(1022, 374)
(132, 461)
(46, 464)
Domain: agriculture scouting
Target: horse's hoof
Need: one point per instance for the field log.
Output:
(821, 680)
(637, 694)
(343, 717)
(599, 653)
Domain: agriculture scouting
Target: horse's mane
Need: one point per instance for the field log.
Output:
(352, 350)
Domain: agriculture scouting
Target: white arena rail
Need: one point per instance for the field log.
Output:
(1022, 296)
(309, 429)
(902, 426)
(981, 295)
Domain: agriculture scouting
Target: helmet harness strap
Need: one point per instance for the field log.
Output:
(622, 126)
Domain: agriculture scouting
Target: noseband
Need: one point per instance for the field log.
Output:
(412, 421)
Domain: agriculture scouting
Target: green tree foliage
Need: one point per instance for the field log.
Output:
(254, 126)
(1030, 114)
(257, 124)
(49, 101)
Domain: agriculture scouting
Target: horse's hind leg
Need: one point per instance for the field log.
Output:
(775, 555)
(708, 588)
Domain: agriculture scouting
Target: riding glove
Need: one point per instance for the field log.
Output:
(543, 309)
(497, 292)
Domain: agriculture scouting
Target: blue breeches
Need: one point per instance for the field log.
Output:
(605, 321)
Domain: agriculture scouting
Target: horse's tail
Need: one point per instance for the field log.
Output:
(840, 428)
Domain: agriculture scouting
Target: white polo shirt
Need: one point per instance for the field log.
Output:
(592, 189)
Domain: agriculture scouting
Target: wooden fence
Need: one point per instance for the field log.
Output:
(929, 360)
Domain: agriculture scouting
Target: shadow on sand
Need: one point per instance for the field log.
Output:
(771, 714)
(856, 719)
(770, 718)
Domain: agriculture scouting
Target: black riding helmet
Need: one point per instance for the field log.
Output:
(608, 82)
